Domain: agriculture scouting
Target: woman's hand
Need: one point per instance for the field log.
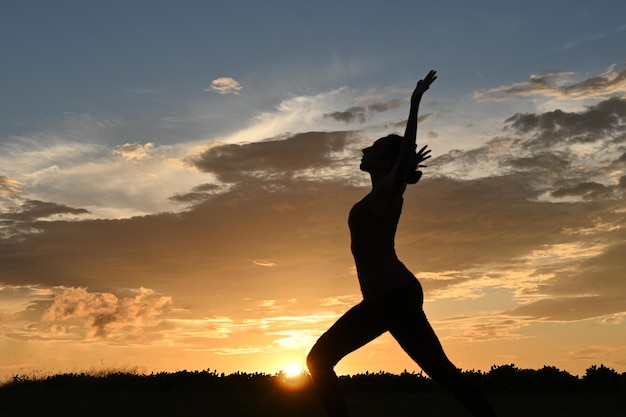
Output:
(422, 86)
(421, 156)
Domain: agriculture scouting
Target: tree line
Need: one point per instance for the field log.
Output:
(549, 380)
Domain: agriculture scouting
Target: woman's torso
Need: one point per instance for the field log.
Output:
(372, 243)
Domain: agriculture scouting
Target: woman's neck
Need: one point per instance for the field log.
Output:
(377, 177)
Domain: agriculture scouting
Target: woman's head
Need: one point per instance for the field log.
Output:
(382, 155)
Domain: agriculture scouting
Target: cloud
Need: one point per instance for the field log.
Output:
(224, 85)
(552, 152)
(588, 189)
(353, 113)
(237, 350)
(8, 187)
(133, 151)
(603, 121)
(600, 275)
(387, 105)
(22, 217)
(105, 313)
(571, 308)
(198, 194)
(191, 331)
(88, 176)
(232, 162)
(483, 327)
(264, 263)
(31, 210)
(558, 84)
(589, 38)
(362, 113)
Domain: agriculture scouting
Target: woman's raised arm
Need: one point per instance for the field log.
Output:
(406, 159)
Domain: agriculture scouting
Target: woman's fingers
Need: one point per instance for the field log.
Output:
(422, 155)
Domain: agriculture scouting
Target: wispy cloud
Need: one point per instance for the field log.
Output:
(483, 327)
(559, 84)
(583, 40)
(264, 262)
(8, 187)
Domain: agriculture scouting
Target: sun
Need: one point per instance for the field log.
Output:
(293, 370)
(293, 377)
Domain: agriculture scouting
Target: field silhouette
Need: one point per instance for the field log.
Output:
(513, 391)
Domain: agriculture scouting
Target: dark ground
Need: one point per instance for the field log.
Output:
(136, 404)
(512, 392)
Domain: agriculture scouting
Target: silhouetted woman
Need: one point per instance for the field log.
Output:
(392, 296)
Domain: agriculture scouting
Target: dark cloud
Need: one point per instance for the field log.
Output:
(31, 210)
(360, 113)
(603, 121)
(600, 275)
(232, 162)
(544, 151)
(298, 225)
(386, 106)
(198, 194)
(460, 225)
(555, 162)
(353, 113)
(588, 289)
(22, 218)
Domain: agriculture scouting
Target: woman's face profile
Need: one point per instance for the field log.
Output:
(374, 158)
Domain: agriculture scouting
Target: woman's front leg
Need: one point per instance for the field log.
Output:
(355, 328)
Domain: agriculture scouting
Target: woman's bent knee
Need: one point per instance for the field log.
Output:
(313, 361)
(317, 361)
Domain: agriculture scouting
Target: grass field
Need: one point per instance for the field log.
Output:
(207, 394)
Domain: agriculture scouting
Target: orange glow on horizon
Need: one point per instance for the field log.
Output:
(293, 370)
(293, 377)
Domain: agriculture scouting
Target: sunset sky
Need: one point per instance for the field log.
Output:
(175, 180)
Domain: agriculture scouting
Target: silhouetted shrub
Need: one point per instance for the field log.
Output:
(388, 382)
(551, 380)
(508, 378)
(603, 380)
